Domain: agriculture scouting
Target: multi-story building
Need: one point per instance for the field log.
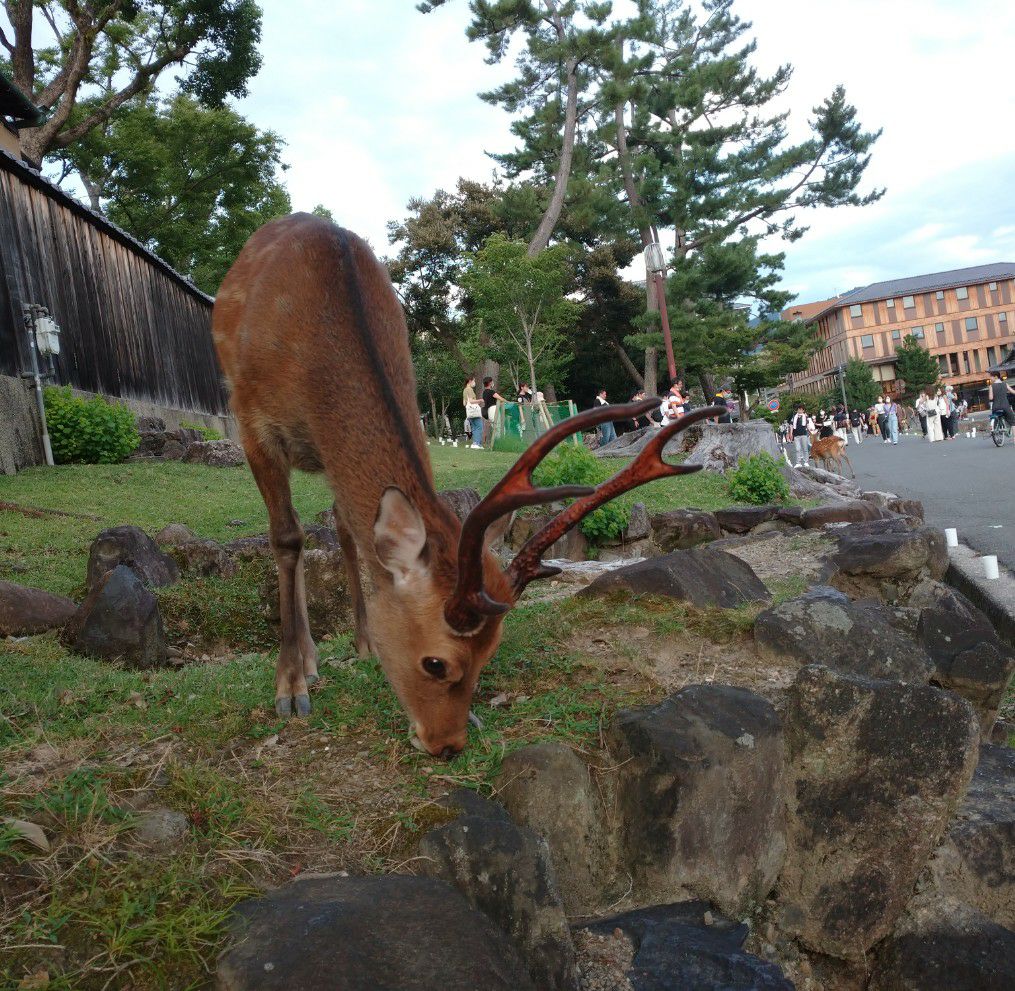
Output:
(16, 110)
(965, 318)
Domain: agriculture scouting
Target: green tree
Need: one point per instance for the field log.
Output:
(99, 58)
(915, 366)
(861, 389)
(190, 183)
(521, 303)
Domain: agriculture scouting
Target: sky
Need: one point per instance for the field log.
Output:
(378, 103)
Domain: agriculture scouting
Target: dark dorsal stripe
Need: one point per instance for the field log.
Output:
(374, 357)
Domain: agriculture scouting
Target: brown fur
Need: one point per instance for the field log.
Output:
(314, 346)
(826, 449)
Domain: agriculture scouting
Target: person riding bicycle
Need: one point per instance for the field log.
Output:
(1000, 404)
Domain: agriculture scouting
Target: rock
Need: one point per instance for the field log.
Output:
(701, 576)
(888, 558)
(466, 802)
(203, 558)
(326, 517)
(976, 861)
(326, 583)
(700, 786)
(794, 515)
(367, 934)
(119, 619)
(683, 528)
(675, 950)
(823, 626)
(968, 656)
(460, 501)
(548, 788)
(162, 827)
(854, 511)
(907, 507)
(571, 547)
(321, 538)
(166, 445)
(877, 770)
(1002, 732)
(25, 610)
(250, 548)
(174, 534)
(132, 547)
(946, 946)
(215, 454)
(638, 525)
(506, 873)
(723, 445)
(742, 519)
(633, 550)
(882, 499)
(150, 424)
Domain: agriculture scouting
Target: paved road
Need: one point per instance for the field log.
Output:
(965, 483)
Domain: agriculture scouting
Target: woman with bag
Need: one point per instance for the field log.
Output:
(473, 412)
(934, 429)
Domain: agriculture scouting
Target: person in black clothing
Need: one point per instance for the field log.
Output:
(524, 393)
(824, 424)
(999, 399)
(490, 397)
(856, 422)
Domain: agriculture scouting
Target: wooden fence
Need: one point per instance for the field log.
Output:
(131, 327)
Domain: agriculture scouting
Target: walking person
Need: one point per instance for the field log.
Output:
(490, 398)
(892, 420)
(607, 431)
(473, 412)
(856, 426)
(921, 410)
(1000, 399)
(953, 412)
(934, 429)
(801, 427)
(840, 419)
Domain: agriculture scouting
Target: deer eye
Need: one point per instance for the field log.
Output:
(434, 667)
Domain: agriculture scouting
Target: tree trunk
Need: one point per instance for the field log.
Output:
(707, 386)
(745, 409)
(722, 445)
(651, 371)
(629, 366)
(546, 226)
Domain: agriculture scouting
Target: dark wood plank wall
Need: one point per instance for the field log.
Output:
(131, 326)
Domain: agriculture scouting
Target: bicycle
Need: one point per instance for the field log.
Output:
(998, 428)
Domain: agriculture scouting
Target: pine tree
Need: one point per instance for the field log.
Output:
(915, 367)
(861, 389)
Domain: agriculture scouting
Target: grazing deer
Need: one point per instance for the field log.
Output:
(315, 349)
(827, 449)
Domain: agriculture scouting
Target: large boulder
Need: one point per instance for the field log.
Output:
(683, 528)
(329, 607)
(506, 872)
(976, 861)
(215, 454)
(571, 547)
(549, 789)
(743, 519)
(722, 445)
(877, 771)
(823, 626)
(946, 946)
(25, 610)
(367, 934)
(681, 947)
(130, 546)
(166, 445)
(700, 575)
(119, 620)
(968, 656)
(700, 793)
(174, 534)
(203, 558)
(850, 511)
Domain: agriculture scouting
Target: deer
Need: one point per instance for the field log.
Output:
(827, 449)
(314, 347)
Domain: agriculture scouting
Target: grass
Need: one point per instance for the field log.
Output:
(86, 748)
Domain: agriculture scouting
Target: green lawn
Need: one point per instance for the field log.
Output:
(86, 747)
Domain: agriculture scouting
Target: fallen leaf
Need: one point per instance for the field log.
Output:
(65, 696)
(137, 700)
(498, 700)
(29, 832)
(34, 982)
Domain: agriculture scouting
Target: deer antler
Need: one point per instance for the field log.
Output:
(470, 602)
(648, 466)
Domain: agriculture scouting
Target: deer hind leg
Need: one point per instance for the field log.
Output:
(297, 657)
(845, 457)
(351, 556)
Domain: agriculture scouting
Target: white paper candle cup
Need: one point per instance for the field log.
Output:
(952, 536)
(989, 566)
(974, 431)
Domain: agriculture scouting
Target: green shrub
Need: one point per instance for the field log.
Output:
(758, 480)
(88, 431)
(207, 433)
(574, 464)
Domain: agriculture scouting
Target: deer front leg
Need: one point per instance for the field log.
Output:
(351, 555)
(297, 656)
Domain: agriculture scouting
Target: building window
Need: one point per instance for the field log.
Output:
(939, 327)
(896, 335)
(992, 286)
(962, 293)
(890, 303)
(942, 360)
(867, 341)
(953, 359)
(917, 332)
(971, 325)
(908, 302)
(939, 294)
(965, 361)
(990, 357)
(976, 361)
(856, 311)
(1002, 318)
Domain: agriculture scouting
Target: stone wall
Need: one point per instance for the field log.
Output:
(21, 441)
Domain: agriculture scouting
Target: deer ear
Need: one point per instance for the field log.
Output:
(400, 536)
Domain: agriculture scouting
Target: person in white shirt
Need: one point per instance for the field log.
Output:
(607, 431)
(674, 403)
(802, 426)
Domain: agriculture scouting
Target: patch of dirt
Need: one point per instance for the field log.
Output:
(792, 553)
(603, 960)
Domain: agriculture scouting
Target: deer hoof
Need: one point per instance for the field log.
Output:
(312, 679)
(303, 705)
(284, 707)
